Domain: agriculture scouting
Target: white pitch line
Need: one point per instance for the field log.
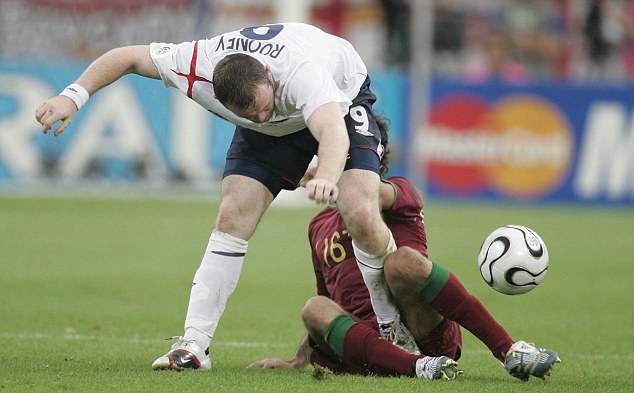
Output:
(567, 355)
(71, 335)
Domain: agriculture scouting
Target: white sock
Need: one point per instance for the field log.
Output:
(371, 267)
(214, 282)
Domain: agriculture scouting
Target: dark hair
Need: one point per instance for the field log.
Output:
(383, 124)
(235, 78)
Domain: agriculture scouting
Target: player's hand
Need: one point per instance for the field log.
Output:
(272, 363)
(55, 109)
(309, 175)
(322, 191)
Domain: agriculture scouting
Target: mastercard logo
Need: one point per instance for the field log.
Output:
(521, 146)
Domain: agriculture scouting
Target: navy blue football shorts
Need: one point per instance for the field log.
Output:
(280, 162)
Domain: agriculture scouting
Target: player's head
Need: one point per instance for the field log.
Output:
(383, 125)
(244, 86)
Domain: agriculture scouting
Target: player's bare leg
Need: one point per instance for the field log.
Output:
(244, 201)
(318, 313)
(372, 242)
(405, 272)
(358, 204)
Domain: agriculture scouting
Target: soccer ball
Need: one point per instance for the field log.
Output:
(513, 259)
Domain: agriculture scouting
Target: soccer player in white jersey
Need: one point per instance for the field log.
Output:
(292, 91)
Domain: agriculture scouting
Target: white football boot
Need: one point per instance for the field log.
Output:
(185, 354)
(525, 359)
(398, 334)
(436, 368)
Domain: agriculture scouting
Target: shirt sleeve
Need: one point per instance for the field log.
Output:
(171, 59)
(405, 219)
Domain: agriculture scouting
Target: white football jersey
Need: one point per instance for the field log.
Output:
(309, 68)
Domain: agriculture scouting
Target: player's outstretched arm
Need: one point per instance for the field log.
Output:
(328, 127)
(299, 361)
(100, 73)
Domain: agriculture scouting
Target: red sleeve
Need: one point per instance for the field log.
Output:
(314, 253)
(405, 219)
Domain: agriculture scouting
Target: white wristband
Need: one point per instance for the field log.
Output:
(77, 93)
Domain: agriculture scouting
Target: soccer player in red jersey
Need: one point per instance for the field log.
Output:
(341, 326)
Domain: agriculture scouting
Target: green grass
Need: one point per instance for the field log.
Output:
(89, 287)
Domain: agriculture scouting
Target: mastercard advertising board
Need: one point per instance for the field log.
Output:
(542, 143)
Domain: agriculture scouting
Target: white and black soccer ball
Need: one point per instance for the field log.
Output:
(513, 259)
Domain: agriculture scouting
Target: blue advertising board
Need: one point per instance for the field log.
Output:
(134, 128)
(545, 142)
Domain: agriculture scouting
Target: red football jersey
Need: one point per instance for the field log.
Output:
(336, 271)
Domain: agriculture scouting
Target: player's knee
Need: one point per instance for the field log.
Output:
(358, 215)
(228, 214)
(312, 308)
(317, 314)
(398, 262)
(364, 224)
(406, 265)
(237, 220)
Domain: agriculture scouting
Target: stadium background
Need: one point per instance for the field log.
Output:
(101, 229)
(553, 124)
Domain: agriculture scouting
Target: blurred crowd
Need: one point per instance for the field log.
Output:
(515, 41)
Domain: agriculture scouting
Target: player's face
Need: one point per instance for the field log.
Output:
(261, 110)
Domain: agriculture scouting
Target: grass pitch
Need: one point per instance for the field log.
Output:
(90, 287)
